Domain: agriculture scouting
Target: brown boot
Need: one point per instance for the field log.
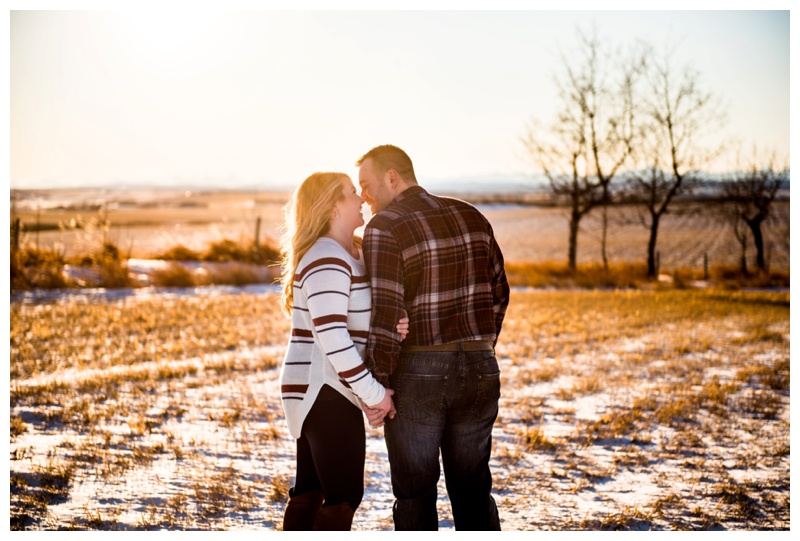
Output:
(301, 511)
(335, 518)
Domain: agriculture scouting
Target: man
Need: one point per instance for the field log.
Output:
(436, 259)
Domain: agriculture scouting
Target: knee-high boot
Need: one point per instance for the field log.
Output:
(301, 510)
(335, 518)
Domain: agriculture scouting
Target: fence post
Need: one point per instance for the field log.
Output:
(256, 255)
(15, 234)
(705, 266)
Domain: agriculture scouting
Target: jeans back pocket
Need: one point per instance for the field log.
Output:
(419, 397)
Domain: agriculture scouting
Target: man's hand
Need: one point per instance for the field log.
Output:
(376, 413)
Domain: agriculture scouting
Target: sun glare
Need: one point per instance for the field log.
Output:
(163, 40)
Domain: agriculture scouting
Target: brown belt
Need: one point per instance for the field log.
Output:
(471, 345)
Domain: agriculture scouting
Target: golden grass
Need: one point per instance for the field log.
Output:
(550, 274)
(79, 336)
(220, 226)
(683, 375)
(174, 275)
(534, 439)
(621, 275)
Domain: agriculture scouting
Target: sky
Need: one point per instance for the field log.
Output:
(164, 94)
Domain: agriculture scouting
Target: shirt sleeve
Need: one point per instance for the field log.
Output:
(500, 287)
(327, 290)
(385, 267)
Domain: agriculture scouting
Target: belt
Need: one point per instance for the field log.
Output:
(471, 345)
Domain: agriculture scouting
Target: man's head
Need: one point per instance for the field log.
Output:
(384, 172)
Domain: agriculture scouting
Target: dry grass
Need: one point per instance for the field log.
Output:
(670, 408)
(589, 275)
(674, 377)
(169, 225)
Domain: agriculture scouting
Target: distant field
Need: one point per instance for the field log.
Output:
(147, 223)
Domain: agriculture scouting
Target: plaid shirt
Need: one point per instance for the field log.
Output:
(436, 259)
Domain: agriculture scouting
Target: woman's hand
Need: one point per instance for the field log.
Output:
(377, 412)
(402, 328)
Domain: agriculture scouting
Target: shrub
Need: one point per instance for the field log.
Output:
(174, 275)
(235, 274)
(731, 277)
(115, 274)
(32, 268)
(592, 275)
(17, 427)
(226, 250)
(179, 253)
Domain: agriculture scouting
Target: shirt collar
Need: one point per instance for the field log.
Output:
(411, 191)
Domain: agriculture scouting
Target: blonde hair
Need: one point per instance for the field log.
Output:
(307, 217)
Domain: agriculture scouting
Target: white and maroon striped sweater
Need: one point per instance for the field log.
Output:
(330, 326)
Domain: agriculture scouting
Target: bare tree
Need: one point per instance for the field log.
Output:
(730, 215)
(564, 164)
(607, 95)
(749, 196)
(677, 114)
(583, 150)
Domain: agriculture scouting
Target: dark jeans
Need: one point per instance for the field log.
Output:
(331, 450)
(446, 401)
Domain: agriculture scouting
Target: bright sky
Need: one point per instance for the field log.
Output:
(266, 97)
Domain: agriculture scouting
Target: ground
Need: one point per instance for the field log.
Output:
(637, 410)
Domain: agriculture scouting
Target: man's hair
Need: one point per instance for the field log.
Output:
(387, 157)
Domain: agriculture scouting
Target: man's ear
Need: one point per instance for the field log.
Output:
(394, 179)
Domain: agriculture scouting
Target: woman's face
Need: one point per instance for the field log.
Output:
(349, 207)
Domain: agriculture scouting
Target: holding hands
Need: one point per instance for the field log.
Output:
(377, 413)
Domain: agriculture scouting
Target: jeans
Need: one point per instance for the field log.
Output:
(447, 401)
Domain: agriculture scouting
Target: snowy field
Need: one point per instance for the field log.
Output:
(634, 410)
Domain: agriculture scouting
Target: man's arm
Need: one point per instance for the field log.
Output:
(385, 268)
(500, 288)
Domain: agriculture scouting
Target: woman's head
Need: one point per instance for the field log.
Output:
(308, 217)
(312, 203)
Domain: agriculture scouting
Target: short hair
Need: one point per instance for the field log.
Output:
(388, 157)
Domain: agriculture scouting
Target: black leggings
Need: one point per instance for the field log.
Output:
(331, 450)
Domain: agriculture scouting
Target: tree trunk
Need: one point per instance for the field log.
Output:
(603, 240)
(743, 255)
(758, 239)
(651, 246)
(573, 240)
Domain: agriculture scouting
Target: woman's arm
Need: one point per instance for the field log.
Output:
(327, 289)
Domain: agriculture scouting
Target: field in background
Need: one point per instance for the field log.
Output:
(145, 223)
(635, 410)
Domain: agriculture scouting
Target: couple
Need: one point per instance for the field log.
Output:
(431, 379)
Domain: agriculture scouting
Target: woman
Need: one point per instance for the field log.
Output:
(324, 382)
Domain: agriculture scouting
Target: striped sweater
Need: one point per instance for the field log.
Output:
(330, 326)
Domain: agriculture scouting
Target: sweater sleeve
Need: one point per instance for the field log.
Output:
(327, 289)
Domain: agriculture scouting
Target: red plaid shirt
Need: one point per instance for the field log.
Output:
(436, 259)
